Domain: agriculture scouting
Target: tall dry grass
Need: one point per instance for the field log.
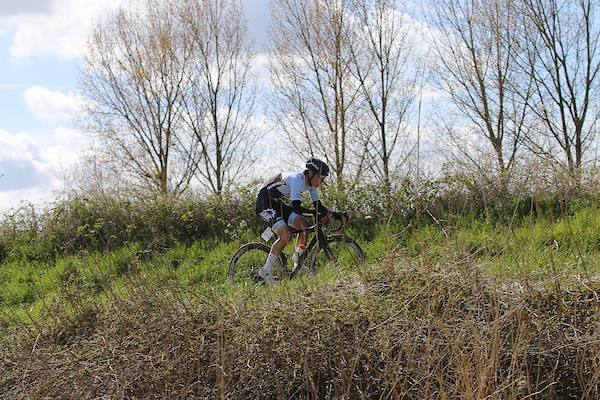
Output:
(404, 329)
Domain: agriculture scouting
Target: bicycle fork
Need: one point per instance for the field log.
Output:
(322, 244)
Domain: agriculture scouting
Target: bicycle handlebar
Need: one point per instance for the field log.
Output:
(340, 217)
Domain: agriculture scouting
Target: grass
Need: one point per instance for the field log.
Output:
(394, 331)
(483, 310)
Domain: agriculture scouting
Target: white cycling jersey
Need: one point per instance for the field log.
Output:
(292, 185)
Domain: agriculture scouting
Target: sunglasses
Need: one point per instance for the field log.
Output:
(322, 177)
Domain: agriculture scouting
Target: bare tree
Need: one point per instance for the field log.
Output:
(385, 64)
(475, 67)
(165, 87)
(563, 58)
(316, 94)
(133, 76)
(221, 98)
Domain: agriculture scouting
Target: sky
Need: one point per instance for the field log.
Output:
(41, 42)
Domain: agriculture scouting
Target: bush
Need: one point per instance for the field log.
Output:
(83, 223)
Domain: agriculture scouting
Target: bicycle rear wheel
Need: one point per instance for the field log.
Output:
(341, 252)
(251, 257)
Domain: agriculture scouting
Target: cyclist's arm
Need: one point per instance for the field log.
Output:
(320, 210)
(298, 209)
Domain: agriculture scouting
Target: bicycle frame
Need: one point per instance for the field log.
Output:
(319, 235)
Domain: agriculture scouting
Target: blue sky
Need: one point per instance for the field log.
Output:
(40, 46)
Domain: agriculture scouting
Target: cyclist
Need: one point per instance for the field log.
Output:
(279, 215)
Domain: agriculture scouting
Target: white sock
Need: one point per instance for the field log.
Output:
(298, 253)
(271, 260)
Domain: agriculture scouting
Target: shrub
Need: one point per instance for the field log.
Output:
(80, 223)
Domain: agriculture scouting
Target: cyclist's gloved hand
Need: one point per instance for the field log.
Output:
(341, 216)
(324, 217)
(345, 217)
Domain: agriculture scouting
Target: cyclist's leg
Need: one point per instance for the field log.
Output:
(283, 237)
(270, 210)
(280, 227)
(300, 223)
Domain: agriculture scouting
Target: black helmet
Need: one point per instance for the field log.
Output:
(318, 166)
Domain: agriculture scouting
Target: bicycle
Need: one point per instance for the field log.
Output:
(333, 249)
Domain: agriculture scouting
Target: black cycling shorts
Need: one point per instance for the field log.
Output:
(271, 209)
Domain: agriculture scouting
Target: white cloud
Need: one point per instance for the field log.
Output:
(18, 7)
(51, 106)
(65, 150)
(12, 200)
(13, 147)
(18, 166)
(62, 32)
(33, 172)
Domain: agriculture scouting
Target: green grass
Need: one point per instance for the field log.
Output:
(29, 287)
(483, 308)
(541, 249)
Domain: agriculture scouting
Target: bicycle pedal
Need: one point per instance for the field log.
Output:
(301, 270)
(254, 276)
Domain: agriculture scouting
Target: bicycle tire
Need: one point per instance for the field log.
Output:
(344, 253)
(249, 258)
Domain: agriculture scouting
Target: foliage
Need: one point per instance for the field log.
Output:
(106, 223)
(128, 297)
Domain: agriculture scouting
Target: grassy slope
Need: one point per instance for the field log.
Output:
(484, 310)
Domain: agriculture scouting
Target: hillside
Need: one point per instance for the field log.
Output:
(474, 310)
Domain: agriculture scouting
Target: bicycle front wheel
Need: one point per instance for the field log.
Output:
(341, 252)
(249, 258)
